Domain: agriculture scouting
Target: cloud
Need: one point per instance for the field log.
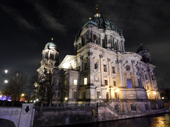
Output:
(48, 20)
(82, 9)
(20, 20)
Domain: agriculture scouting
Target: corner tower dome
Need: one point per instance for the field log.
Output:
(144, 52)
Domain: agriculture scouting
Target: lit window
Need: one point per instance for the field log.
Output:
(75, 81)
(105, 68)
(105, 82)
(85, 81)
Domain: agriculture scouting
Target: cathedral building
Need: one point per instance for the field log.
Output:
(101, 69)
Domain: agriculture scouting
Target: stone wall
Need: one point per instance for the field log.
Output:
(22, 117)
(12, 114)
(64, 116)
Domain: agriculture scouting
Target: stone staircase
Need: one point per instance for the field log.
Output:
(111, 108)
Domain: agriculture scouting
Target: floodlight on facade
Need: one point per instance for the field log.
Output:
(117, 90)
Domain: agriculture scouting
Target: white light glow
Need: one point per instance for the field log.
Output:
(154, 92)
(66, 98)
(5, 81)
(6, 71)
(100, 97)
(75, 81)
(162, 97)
(36, 99)
(117, 90)
(85, 81)
(66, 65)
(23, 94)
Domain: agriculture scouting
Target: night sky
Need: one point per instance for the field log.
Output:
(27, 25)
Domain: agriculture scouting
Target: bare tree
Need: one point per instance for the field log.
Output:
(50, 85)
(17, 85)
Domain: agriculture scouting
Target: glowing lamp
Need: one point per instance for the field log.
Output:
(5, 81)
(6, 71)
(117, 90)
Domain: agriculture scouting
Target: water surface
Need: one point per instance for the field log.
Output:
(161, 120)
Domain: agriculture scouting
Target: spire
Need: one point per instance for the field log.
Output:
(97, 12)
(97, 9)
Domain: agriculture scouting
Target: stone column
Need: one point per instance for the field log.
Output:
(90, 69)
(101, 69)
(81, 60)
(110, 77)
(120, 71)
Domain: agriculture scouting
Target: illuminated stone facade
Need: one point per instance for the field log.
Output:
(102, 70)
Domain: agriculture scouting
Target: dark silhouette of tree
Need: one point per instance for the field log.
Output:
(29, 91)
(167, 93)
(48, 87)
(16, 86)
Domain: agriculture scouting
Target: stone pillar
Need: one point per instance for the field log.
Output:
(101, 69)
(81, 60)
(120, 71)
(90, 69)
(26, 116)
(110, 78)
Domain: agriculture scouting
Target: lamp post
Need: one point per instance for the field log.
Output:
(5, 81)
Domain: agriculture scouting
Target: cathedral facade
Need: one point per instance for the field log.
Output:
(101, 69)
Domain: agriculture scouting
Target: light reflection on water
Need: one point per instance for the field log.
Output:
(162, 120)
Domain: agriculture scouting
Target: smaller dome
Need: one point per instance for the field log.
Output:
(141, 48)
(50, 45)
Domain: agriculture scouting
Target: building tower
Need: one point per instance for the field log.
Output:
(50, 59)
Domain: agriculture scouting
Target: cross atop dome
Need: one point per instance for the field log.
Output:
(97, 12)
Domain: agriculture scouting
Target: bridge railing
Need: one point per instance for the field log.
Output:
(63, 105)
(11, 104)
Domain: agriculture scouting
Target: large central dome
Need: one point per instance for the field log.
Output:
(105, 23)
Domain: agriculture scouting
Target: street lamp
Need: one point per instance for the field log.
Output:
(6, 71)
(5, 81)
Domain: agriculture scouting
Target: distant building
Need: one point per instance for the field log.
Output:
(101, 69)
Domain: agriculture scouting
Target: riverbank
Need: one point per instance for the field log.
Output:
(85, 115)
